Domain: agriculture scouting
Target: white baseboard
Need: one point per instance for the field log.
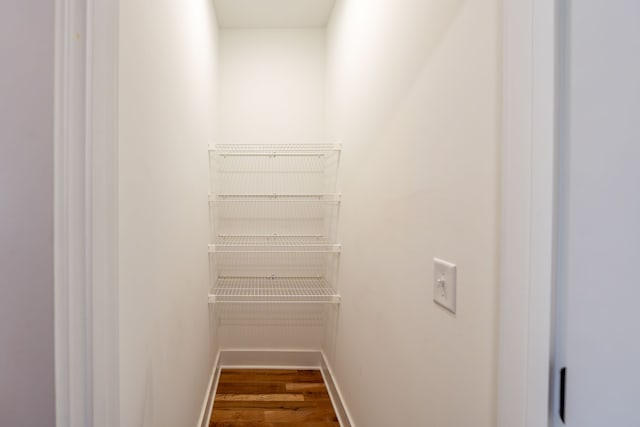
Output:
(339, 406)
(282, 359)
(207, 405)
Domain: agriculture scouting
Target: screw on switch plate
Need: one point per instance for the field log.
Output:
(444, 284)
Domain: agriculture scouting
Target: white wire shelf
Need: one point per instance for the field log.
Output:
(287, 315)
(274, 247)
(273, 290)
(275, 150)
(279, 168)
(313, 241)
(275, 197)
(273, 215)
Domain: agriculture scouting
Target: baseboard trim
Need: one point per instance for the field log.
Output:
(282, 359)
(344, 417)
(207, 405)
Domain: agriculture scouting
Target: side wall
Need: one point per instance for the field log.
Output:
(26, 213)
(166, 101)
(414, 90)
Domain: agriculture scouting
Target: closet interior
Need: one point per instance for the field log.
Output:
(288, 171)
(274, 205)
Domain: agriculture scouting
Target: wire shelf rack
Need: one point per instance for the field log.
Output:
(273, 214)
(283, 244)
(279, 214)
(285, 169)
(273, 290)
(274, 150)
(256, 316)
(274, 262)
(275, 197)
(270, 240)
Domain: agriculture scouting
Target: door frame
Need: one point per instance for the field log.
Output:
(527, 253)
(86, 213)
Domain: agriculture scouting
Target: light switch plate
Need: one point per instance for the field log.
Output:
(444, 284)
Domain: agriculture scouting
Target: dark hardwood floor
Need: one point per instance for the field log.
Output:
(272, 398)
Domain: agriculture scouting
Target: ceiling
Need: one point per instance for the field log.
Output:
(273, 13)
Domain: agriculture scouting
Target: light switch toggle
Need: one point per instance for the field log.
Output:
(444, 284)
(441, 286)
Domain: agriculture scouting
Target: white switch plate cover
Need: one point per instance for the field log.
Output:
(444, 284)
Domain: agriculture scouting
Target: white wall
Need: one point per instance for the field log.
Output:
(272, 85)
(26, 214)
(414, 89)
(167, 99)
(600, 211)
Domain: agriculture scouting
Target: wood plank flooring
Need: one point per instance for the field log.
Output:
(272, 398)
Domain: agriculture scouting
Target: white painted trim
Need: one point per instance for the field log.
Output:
(207, 404)
(543, 214)
(85, 223)
(342, 412)
(102, 69)
(71, 234)
(527, 240)
(283, 359)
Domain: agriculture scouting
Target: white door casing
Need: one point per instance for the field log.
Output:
(86, 182)
(528, 213)
(85, 224)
